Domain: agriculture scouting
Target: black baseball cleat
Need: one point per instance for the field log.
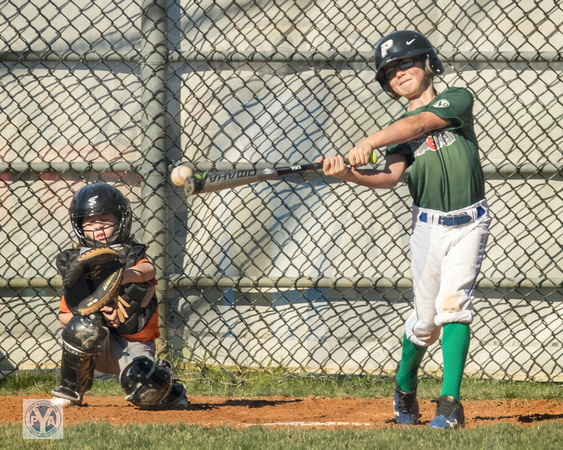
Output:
(449, 414)
(405, 406)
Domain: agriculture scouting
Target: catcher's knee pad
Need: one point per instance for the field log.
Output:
(146, 382)
(85, 334)
(83, 340)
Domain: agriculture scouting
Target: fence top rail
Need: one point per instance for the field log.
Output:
(274, 55)
(268, 283)
(491, 171)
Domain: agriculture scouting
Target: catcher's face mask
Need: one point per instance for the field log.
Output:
(100, 227)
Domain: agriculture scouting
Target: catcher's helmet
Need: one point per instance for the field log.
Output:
(145, 381)
(99, 198)
(404, 44)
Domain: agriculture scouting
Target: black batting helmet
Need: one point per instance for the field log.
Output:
(404, 44)
(100, 198)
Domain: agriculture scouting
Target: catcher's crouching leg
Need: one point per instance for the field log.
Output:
(177, 397)
(149, 383)
(83, 339)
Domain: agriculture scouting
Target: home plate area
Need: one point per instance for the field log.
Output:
(291, 412)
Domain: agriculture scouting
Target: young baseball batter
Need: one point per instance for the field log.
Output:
(118, 338)
(435, 138)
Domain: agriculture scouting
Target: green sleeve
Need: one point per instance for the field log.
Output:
(455, 105)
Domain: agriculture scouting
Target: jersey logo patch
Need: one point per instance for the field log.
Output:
(432, 142)
(443, 103)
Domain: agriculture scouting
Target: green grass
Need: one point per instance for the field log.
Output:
(101, 435)
(253, 383)
(256, 383)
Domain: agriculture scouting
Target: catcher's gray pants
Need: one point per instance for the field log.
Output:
(118, 352)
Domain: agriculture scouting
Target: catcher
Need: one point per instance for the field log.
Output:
(109, 307)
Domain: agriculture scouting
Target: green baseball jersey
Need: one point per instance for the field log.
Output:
(446, 172)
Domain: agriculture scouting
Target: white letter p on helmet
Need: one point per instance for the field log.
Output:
(385, 48)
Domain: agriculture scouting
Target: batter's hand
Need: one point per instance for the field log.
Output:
(334, 166)
(360, 155)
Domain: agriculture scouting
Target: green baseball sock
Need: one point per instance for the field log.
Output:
(407, 376)
(455, 346)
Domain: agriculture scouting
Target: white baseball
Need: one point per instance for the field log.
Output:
(179, 174)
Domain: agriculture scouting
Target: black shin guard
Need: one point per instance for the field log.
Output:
(83, 339)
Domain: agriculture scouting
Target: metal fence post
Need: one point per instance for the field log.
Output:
(154, 190)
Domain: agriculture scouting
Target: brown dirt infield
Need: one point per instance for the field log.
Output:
(280, 411)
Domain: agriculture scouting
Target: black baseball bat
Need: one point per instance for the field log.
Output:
(228, 179)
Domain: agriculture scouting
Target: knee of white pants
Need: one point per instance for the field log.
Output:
(421, 333)
(457, 317)
(454, 305)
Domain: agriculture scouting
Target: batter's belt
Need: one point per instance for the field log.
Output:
(453, 220)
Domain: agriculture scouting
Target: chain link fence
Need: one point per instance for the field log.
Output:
(305, 272)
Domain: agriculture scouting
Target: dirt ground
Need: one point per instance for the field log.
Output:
(287, 411)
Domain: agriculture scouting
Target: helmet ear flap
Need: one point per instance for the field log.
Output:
(433, 66)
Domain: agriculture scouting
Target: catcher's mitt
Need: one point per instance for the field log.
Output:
(93, 280)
